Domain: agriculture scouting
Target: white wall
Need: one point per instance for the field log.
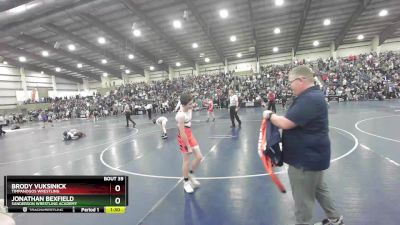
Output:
(211, 67)
(181, 72)
(313, 54)
(38, 80)
(158, 75)
(137, 79)
(10, 81)
(391, 45)
(242, 65)
(94, 84)
(276, 59)
(65, 85)
(116, 82)
(62, 94)
(353, 49)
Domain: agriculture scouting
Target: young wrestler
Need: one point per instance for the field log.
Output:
(72, 134)
(188, 143)
(162, 122)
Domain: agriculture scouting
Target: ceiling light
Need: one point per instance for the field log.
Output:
(315, 43)
(195, 45)
(131, 56)
(45, 53)
(58, 69)
(233, 38)
(279, 2)
(239, 55)
(5, 62)
(41, 72)
(206, 60)
(383, 12)
(127, 71)
(277, 30)
(137, 33)
(223, 13)
(105, 74)
(23, 8)
(18, 9)
(22, 59)
(201, 55)
(360, 37)
(151, 68)
(101, 40)
(104, 61)
(79, 65)
(177, 24)
(178, 64)
(327, 22)
(275, 49)
(71, 47)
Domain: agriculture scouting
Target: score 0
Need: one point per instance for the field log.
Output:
(118, 192)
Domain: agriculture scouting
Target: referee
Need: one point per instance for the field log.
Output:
(234, 108)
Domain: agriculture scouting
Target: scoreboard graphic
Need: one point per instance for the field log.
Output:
(66, 194)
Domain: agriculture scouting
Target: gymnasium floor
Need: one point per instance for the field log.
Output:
(364, 176)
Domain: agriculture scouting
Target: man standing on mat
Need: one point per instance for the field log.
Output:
(128, 111)
(149, 106)
(271, 101)
(188, 143)
(306, 147)
(234, 108)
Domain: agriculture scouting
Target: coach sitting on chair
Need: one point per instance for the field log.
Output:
(306, 147)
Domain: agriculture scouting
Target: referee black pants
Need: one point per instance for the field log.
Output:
(128, 118)
(233, 114)
(149, 113)
(271, 105)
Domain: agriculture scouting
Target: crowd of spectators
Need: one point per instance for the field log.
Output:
(361, 77)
